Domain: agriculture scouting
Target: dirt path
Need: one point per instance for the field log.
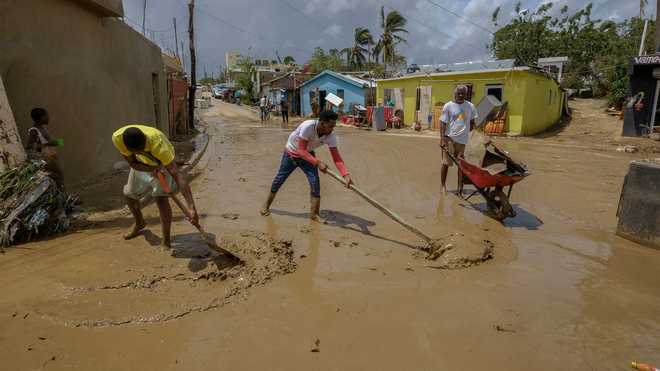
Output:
(590, 127)
(562, 292)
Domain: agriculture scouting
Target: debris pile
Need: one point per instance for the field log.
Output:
(31, 204)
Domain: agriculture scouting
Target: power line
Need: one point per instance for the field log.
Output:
(137, 24)
(435, 29)
(314, 21)
(243, 30)
(460, 16)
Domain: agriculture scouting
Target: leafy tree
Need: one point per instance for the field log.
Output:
(332, 60)
(598, 50)
(245, 80)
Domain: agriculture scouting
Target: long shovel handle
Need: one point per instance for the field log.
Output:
(162, 179)
(209, 241)
(394, 216)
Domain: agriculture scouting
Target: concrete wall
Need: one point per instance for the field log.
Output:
(329, 83)
(527, 113)
(542, 104)
(106, 8)
(93, 74)
(11, 148)
(639, 204)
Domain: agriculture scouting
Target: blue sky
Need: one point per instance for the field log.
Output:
(294, 27)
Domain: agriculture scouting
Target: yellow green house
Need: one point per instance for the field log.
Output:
(535, 100)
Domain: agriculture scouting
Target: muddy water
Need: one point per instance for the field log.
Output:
(561, 292)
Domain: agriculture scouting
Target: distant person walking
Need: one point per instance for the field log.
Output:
(457, 120)
(284, 109)
(263, 107)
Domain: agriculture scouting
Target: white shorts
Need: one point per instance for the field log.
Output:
(142, 183)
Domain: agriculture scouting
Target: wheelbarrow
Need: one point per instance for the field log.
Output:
(491, 181)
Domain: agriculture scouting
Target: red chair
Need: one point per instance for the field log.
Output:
(389, 115)
(370, 115)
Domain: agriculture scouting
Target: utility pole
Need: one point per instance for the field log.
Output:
(657, 27)
(176, 41)
(193, 76)
(144, 17)
(643, 41)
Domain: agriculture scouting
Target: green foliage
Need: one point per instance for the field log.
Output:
(245, 80)
(16, 180)
(598, 50)
(332, 60)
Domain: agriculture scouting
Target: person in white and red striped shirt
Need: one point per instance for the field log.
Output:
(299, 153)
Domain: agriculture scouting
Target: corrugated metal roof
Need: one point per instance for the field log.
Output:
(350, 79)
(360, 81)
(466, 66)
(456, 73)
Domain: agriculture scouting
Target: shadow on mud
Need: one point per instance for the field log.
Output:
(342, 220)
(191, 246)
(523, 218)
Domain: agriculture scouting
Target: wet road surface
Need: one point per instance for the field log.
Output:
(562, 292)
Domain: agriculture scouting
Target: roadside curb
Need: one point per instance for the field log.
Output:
(201, 143)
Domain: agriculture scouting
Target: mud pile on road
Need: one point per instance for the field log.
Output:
(173, 293)
(265, 258)
(458, 251)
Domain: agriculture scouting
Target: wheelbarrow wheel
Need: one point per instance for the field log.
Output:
(498, 205)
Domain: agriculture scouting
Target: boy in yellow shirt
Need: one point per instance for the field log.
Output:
(148, 151)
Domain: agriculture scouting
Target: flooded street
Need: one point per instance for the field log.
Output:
(562, 292)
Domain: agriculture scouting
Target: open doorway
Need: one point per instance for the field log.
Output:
(322, 101)
(495, 90)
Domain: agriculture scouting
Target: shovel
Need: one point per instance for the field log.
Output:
(207, 239)
(432, 244)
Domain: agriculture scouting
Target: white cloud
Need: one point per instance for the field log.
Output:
(275, 26)
(332, 7)
(333, 30)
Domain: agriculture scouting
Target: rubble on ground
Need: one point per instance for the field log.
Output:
(628, 149)
(31, 204)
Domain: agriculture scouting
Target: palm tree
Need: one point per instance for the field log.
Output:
(392, 25)
(288, 60)
(362, 38)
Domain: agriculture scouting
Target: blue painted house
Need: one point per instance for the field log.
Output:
(351, 89)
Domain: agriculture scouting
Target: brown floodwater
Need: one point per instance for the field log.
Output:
(562, 291)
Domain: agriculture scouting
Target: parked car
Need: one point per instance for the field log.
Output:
(217, 92)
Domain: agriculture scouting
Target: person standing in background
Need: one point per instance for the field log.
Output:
(284, 108)
(457, 120)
